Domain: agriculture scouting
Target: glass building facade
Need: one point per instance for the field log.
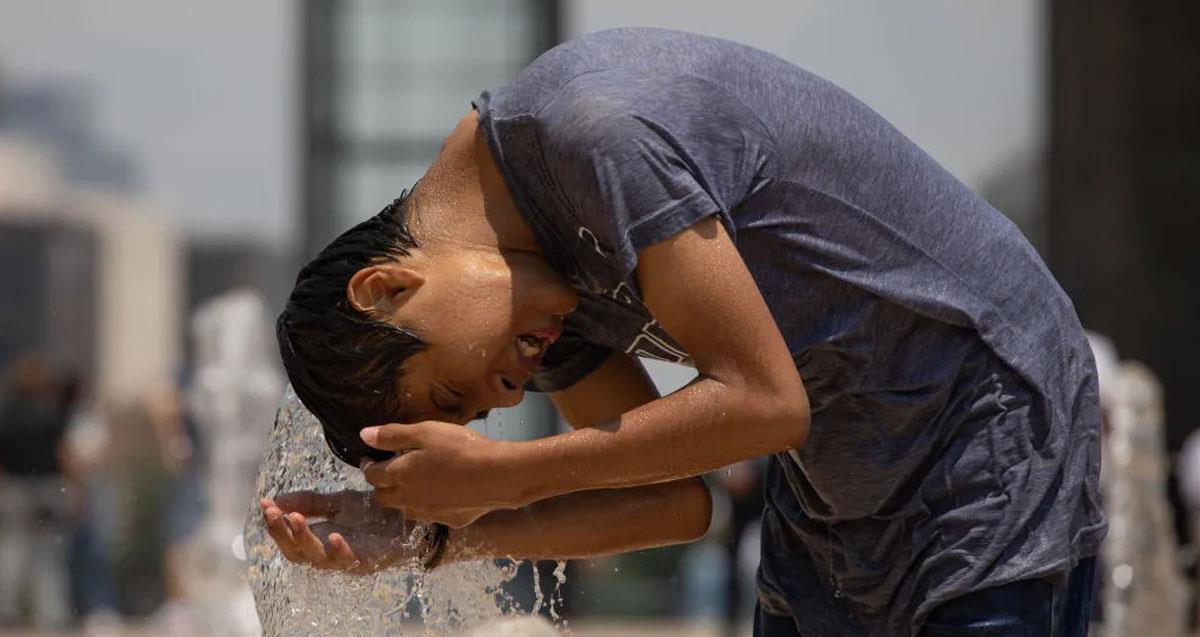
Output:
(384, 81)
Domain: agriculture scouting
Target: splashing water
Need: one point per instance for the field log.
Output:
(556, 600)
(461, 598)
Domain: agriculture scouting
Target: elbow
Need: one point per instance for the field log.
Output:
(704, 516)
(788, 417)
(797, 424)
(698, 510)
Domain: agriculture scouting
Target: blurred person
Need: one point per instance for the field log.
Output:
(87, 468)
(742, 483)
(155, 446)
(640, 192)
(1141, 590)
(34, 516)
(718, 573)
(702, 570)
(180, 439)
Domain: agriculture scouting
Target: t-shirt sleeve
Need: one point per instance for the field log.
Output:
(641, 157)
(632, 159)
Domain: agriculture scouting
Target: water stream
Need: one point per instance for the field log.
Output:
(461, 598)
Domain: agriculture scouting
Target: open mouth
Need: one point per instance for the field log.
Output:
(530, 346)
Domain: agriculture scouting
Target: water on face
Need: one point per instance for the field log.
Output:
(459, 598)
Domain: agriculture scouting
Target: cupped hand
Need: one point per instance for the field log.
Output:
(442, 473)
(356, 534)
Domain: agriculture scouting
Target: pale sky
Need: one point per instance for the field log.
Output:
(201, 91)
(962, 79)
(204, 92)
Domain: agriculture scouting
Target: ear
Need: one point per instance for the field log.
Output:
(381, 288)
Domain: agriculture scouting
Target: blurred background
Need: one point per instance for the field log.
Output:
(165, 168)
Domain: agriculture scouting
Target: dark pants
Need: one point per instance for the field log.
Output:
(1033, 608)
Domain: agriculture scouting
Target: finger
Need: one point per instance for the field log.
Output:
(311, 503)
(340, 550)
(342, 553)
(279, 531)
(393, 437)
(375, 472)
(309, 543)
(382, 474)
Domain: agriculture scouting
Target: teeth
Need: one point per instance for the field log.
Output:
(529, 347)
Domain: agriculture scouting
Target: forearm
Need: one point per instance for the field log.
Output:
(704, 426)
(589, 524)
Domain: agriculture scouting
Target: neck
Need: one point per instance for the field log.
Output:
(464, 196)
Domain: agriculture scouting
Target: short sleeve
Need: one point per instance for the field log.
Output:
(639, 158)
(606, 165)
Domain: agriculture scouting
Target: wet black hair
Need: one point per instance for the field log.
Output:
(345, 365)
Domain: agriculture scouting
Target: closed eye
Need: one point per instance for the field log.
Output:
(452, 408)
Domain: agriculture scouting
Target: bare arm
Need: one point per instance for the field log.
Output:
(592, 523)
(748, 400)
(589, 524)
(601, 522)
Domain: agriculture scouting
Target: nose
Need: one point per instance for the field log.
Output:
(507, 391)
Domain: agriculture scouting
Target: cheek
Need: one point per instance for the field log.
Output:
(476, 314)
(480, 321)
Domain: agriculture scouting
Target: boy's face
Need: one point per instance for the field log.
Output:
(487, 316)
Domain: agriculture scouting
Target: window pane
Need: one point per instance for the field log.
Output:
(406, 72)
(365, 187)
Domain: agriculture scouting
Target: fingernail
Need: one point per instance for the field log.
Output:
(369, 435)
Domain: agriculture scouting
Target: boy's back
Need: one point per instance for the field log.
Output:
(954, 440)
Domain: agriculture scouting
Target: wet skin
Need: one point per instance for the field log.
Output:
(476, 289)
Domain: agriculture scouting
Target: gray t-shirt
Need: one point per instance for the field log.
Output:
(955, 432)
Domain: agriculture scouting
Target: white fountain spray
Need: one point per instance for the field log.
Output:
(460, 598)
(232, 396)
